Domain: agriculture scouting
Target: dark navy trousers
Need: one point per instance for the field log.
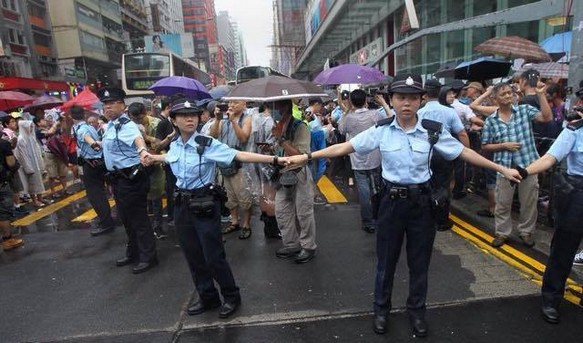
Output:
(201, 241)
(94, 181)
(398, 218)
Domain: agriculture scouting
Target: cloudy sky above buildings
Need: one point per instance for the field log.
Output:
(255, 20)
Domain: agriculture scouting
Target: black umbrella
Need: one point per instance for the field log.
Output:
(483, 68)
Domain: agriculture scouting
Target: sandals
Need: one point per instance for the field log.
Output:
(231, 228)
(245, 233)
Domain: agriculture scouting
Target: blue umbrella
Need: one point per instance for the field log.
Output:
(220, 91)
(559, 43)
(172, 85)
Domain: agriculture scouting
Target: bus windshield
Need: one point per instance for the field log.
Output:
(250, 73)
(143, 70)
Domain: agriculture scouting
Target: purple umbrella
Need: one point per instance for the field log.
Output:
(43, 102)
(179, 84)
(349, 73)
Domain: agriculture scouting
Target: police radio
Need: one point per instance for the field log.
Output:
(433, 130)
(202, 142)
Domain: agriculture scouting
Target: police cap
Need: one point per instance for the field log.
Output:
(407, 84)
(110, 94)
(185, 106)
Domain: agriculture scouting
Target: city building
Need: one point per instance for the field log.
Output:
(200, 21)
(228, 40)
(134, 20)
(289, 37)
(385, 34)
(26, 43)
(240, 51)
(164, 16)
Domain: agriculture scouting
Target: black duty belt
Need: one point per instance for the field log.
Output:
(192, 193)
(403, 191)
(575, 180)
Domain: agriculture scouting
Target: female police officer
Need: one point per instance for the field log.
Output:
(197, 217)
(569, 231)
(122, 145)
(405, 199)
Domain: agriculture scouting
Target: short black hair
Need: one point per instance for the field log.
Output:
(37, 119)
(77, 112)
(555, 88)
(358, 97)
(6, 120)
(136, 109)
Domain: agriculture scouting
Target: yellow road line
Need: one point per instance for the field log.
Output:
(91, 214)
(330, 191)
(477, 237)
(48, 210)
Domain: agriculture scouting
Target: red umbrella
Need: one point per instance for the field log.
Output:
(514, 47)
(85, 99)
(44, 102)
(12, 99)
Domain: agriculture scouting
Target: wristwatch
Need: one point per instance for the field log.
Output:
(309, 154)
(275, 158)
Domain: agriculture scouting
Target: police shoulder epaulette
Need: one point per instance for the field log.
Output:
(123, 120)
(576, 125)
(385, 121)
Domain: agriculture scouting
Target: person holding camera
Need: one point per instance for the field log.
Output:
(123, 145)
(193, 158)
(91, 160)
(234, 130)
(569, 231)
(404, 203)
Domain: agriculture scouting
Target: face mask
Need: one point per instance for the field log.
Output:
(276, 115)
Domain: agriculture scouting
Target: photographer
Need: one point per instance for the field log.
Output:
(234, 130)
(91, 160)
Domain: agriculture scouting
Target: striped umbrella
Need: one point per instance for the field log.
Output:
(513, 47)
(549, 70)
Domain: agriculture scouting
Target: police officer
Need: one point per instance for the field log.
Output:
(197, 217)
(569, 198)
(405, 199)
(91, 160)
(122, 146)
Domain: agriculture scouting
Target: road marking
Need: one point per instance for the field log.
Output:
(48, 210)
(330, 191)
(89, 215)
(529, 267)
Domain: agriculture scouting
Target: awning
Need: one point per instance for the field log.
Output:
(10, 83)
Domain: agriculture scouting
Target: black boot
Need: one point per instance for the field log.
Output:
(271, 229)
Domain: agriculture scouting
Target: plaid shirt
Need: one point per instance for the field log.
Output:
(518, 129)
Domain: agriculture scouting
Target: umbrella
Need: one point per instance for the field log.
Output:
(558, 45)
(349, 73)
(548, 70)
(482, 68)
(172, 85)
(448, 69)
(274, 88)
(44, 102)
(387, 81)
(12, 99)
(220, 91)
(85, 99)
(514, 47)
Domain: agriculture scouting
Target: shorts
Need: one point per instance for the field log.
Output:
(55, 167)
(238, 192)
(6, 205)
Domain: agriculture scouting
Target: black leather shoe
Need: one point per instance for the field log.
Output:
(305, 256)
(550, 314)
(286, 252)
(199, 307)
(124, 261)
(97, 231)
(419, 327)
(228, 308)
(380, 324)
(144, 266)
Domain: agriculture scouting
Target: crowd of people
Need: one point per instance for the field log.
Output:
(405, 147)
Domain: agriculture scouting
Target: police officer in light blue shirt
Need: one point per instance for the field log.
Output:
(405, 200)
(122, 145)
(193, 159)
(91, 160)
(568, 201)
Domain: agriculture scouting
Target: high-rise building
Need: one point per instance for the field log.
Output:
(200, 21)
(26, 43)
(164, 16)
(227, 38)
(240, 52)
(135, 23)
(89, 39)
(289, 34)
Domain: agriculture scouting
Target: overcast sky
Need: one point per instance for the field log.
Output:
(255, 20)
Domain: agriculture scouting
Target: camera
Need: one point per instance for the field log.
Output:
(572, 115)
(223, 107)
(345, 95)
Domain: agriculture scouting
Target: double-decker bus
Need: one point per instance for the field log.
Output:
(141, 70)
(248, 73)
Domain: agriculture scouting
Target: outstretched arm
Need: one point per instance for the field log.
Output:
(542, 164)
(476, 159)
(331, 151)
